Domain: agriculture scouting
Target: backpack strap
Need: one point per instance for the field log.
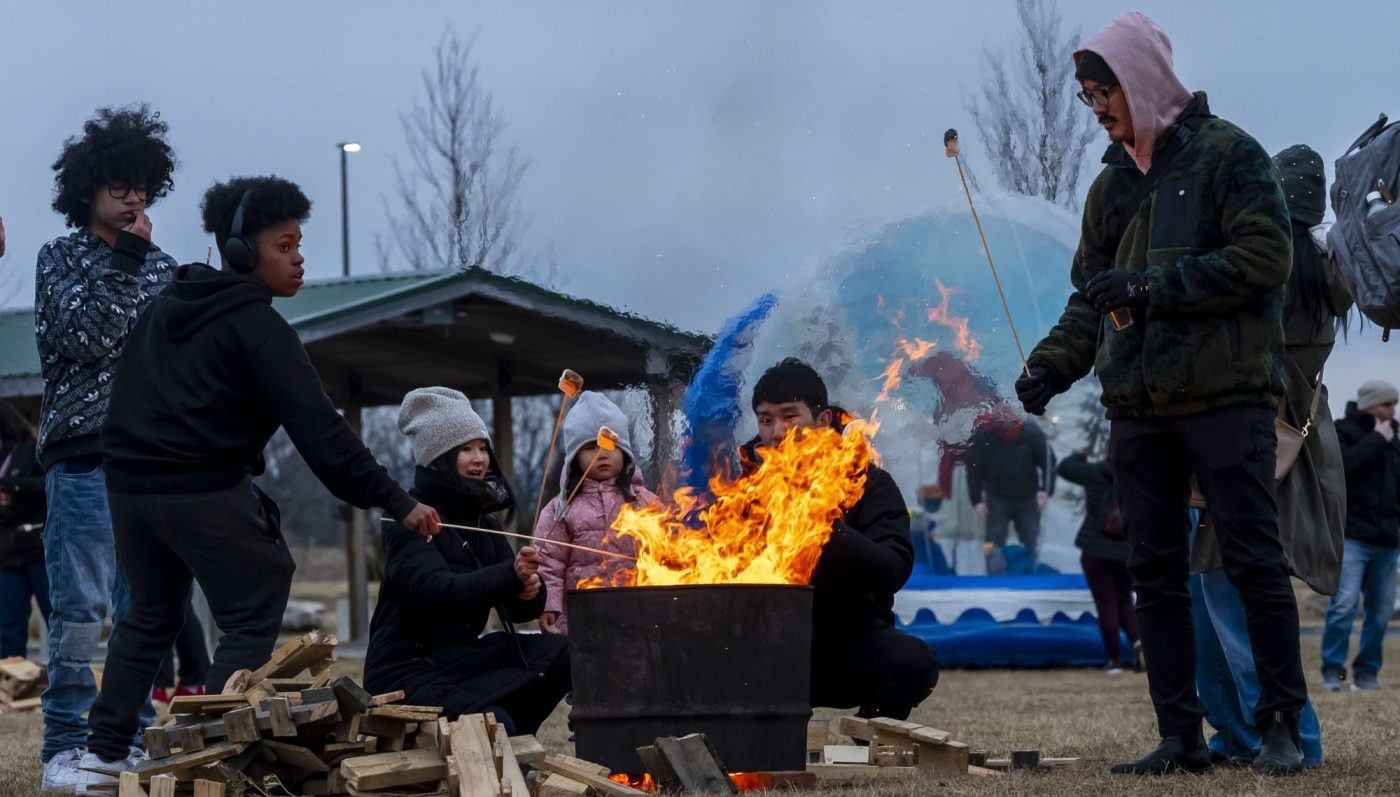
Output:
(1368, 136)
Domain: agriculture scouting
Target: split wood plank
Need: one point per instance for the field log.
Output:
(388, 697)
(587, 776)
(697, 766)
(476, 767)
(352, 697)
(179, 762)
(856, 774)
(983, 772)
(527, 749)
(1067, 763)
(206, 704)
(279, 712)
(948, 758)
(238, 683)
(208, 788)
(406, 713)
(557, 785)
(511, 773)
(296, 756)
(581, 765)
(387, 770)
(296, 655)
(157, 742)
(129, 785)
(241, 725)
(163, 786)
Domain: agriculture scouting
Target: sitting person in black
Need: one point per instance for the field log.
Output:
(859, 659)
(426, 636)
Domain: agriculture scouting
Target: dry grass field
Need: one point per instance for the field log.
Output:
(1084, 713)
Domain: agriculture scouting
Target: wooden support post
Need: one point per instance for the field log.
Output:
(356, 533)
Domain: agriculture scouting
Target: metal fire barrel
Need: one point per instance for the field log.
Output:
(732, 661)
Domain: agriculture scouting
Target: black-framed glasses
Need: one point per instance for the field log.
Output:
(1092, 97)
(120, 191)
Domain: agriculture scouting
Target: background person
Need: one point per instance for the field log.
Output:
(22, 573)
(1008, 481)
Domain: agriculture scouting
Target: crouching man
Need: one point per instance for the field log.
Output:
(859, 659)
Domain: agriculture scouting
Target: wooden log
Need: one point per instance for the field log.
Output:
(129, 785)
(157, 741)
(557, 785)
(208, 788)
(527, 749)
(241, 725)
(859, 774)
(387, 770)
(471, 750)
(352, 697)
(387, 698)
(587, 775)
(163, 785)
(279, 712)
(511, 774)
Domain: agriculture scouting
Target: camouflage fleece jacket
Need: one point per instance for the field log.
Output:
(1213, 239)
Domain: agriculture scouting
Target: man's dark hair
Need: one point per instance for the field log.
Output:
(791, 380)
(119, 145)
(272, 201)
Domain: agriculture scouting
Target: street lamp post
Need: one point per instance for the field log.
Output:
(345, 147)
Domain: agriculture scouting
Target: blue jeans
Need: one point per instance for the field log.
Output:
(1226, 679)
(1368, 581)
(84, 583)
(17, 586)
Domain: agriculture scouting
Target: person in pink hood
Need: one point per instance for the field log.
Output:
(613, 480)
(1177, 304)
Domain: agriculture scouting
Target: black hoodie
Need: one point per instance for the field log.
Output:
(1373, 479)
(207, 376)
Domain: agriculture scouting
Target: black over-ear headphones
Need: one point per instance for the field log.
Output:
(239, 250)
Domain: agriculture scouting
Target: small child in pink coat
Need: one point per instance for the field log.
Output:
(611, 482)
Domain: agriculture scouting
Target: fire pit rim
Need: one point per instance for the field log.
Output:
(807, 587)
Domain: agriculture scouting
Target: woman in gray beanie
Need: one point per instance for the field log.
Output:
(426, 636)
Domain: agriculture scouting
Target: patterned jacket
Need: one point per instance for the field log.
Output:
(1214, 241)
(87, 296)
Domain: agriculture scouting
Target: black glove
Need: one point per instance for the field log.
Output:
(1115, 288)
(1035, 390)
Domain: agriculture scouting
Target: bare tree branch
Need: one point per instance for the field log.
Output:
(1033, 129)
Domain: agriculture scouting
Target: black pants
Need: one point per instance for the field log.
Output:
(1024, 513)
(1232, 452)
(1112, 590)
(885, 673)
(528, 707)
(194, 657)
(231, 542)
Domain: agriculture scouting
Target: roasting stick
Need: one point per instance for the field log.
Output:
(607, 441)
(950, 146)
(535, 540)
(570, 384)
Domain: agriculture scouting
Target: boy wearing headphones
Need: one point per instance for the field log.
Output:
(209, 373)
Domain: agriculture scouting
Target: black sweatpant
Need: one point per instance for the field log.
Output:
(231, 542)
(194, 656)
(1232, 452)
(1112, 590)
(885, 673)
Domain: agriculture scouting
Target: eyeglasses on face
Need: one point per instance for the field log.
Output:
(120, 191)
(1093, 97)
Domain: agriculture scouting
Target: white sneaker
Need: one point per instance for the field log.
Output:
(61, 772)
(136, 757)
(96, 781)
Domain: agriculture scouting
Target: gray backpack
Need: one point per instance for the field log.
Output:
(1365, 241)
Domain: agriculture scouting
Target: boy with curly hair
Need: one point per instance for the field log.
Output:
(210, 372)
(90, 287)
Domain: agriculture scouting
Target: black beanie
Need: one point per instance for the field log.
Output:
(1091, 66)
(1304, 183)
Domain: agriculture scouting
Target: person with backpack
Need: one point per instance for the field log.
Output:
(1177, 304)
(1372, 455)
(1103, 557)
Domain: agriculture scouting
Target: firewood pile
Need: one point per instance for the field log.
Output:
(290, 728)
(894, 749)
(21, 683)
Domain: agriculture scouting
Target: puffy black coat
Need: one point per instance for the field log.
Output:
(1008, 466)
(23, 482)
(1097, 480)
(1373, 479)
(434, 603)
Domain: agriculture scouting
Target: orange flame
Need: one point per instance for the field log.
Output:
(765, 527)
(893, 373)
(962, 332)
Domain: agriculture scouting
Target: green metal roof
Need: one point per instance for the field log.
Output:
(323, 308)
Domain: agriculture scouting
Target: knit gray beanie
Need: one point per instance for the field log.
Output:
(1375, 393)
(437, 420)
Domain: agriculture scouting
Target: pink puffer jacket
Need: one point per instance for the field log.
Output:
(588, 522)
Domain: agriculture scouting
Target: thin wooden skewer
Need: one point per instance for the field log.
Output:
(549, 460)
(581, 479)
(537, 540)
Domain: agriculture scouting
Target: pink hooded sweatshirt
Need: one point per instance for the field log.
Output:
(1140, 54)
(589, 518)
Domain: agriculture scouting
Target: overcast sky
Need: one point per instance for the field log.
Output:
(683, 156)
